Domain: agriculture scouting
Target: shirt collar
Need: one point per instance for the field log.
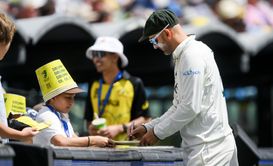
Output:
(179, 49)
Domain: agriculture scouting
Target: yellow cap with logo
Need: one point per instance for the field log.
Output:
(15, 104)
(54, 79)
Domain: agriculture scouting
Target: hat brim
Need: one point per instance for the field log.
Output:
(124, 60)
(74, 90)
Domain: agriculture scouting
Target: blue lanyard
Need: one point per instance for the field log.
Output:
(66, 130)
(105, 101)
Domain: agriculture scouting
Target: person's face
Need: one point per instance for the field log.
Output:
(63, 102)
(3, 49)
(162, 46)
(104, 61)
(158, 41)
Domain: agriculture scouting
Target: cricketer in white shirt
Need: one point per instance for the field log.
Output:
(199, 109)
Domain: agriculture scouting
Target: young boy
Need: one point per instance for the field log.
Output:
(59, 90)
(7, 29)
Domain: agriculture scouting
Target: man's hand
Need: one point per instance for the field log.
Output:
(138, 132)
(149, 138)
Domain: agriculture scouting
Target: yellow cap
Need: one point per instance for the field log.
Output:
(15, 104)
(54, 79)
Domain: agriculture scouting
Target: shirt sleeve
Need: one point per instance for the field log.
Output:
(189, 97)
(155, 121)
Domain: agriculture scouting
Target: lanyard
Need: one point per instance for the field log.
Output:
(105, 101)
(66, 130)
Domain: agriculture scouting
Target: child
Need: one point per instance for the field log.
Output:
(58, 90)
(7, 29)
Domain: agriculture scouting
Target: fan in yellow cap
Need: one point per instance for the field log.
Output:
(59, 90)
(54, 79)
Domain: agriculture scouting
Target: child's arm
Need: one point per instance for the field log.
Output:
(98, 141)
(26, 134)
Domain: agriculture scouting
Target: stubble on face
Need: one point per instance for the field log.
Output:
(164, 48)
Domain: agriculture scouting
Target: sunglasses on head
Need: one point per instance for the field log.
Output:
(153, 40)
(98, 54)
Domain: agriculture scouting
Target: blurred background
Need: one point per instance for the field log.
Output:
(238, 31)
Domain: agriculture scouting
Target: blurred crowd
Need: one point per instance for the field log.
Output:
(241, 15)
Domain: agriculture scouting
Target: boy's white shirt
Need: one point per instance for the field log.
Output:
(56, 128)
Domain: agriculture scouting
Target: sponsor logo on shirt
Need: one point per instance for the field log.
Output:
(191, 72)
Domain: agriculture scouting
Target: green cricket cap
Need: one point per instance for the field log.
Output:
(157, 21)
